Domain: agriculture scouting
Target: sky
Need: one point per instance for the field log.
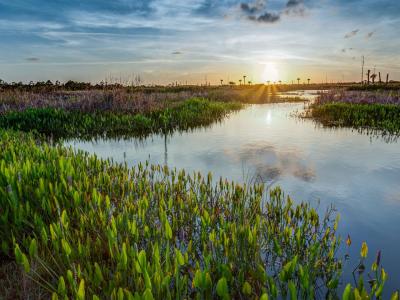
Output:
(198, 41)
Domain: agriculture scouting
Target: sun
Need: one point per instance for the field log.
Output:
(270, 73)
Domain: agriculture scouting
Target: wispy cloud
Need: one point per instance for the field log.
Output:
(253, 8)
(32, 59)
(28, 25)
(266, 17)
(194, 37)
(370, 34)
(351, 34)
(294, 3)
(344, 50)
(295, 7)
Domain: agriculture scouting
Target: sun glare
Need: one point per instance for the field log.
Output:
(270, 73)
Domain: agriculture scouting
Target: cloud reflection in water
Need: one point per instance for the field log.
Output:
(268, 164)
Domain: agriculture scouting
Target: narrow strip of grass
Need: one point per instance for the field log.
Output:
(374, 116)
(84, 228)
(60, 123)
(375, 87)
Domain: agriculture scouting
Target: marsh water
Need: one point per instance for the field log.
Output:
(357, 173)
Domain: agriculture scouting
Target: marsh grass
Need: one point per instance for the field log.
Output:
(134, 100)
(393, 86)
(60, 123)
(376, 113)
(383, 117)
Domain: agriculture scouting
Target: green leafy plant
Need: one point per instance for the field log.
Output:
(81, 227)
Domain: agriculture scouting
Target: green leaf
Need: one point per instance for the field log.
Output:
(246, 289)
(264, 297)
(129, 295)
(197, 281)
(70, 277)
(18, 254)
(292, 290)
(384, 275)
(98, 275)
(166, 281)
(43, 234)
(333, 283)
(124, 257)
(33, 248)
(179, 257)
(395, 296)
(61, 286)
(347, 292)
(222, 288)
(64, 219)
(22, 259)
(142, 260)
(66, 247)
(81, 291)
(147, 295)
(250, 238)
(120, 294)
(364, 250)
(379, 291)
(147, 280)
(168, 230)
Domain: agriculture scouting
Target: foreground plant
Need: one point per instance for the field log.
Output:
(85, 228)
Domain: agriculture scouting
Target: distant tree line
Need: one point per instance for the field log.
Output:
(48, 85)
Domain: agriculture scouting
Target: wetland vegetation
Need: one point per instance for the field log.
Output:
(76, 226)
(81, 227)
(61, 123)
(377, 110)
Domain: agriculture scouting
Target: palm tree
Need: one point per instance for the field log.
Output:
(249, 82)
(308, 80)
(244, 79)
(280, 81)
(373, 76)
(240, 81)
(298, 80)
(222, 81)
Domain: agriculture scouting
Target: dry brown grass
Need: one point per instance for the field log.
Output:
(15, 284)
